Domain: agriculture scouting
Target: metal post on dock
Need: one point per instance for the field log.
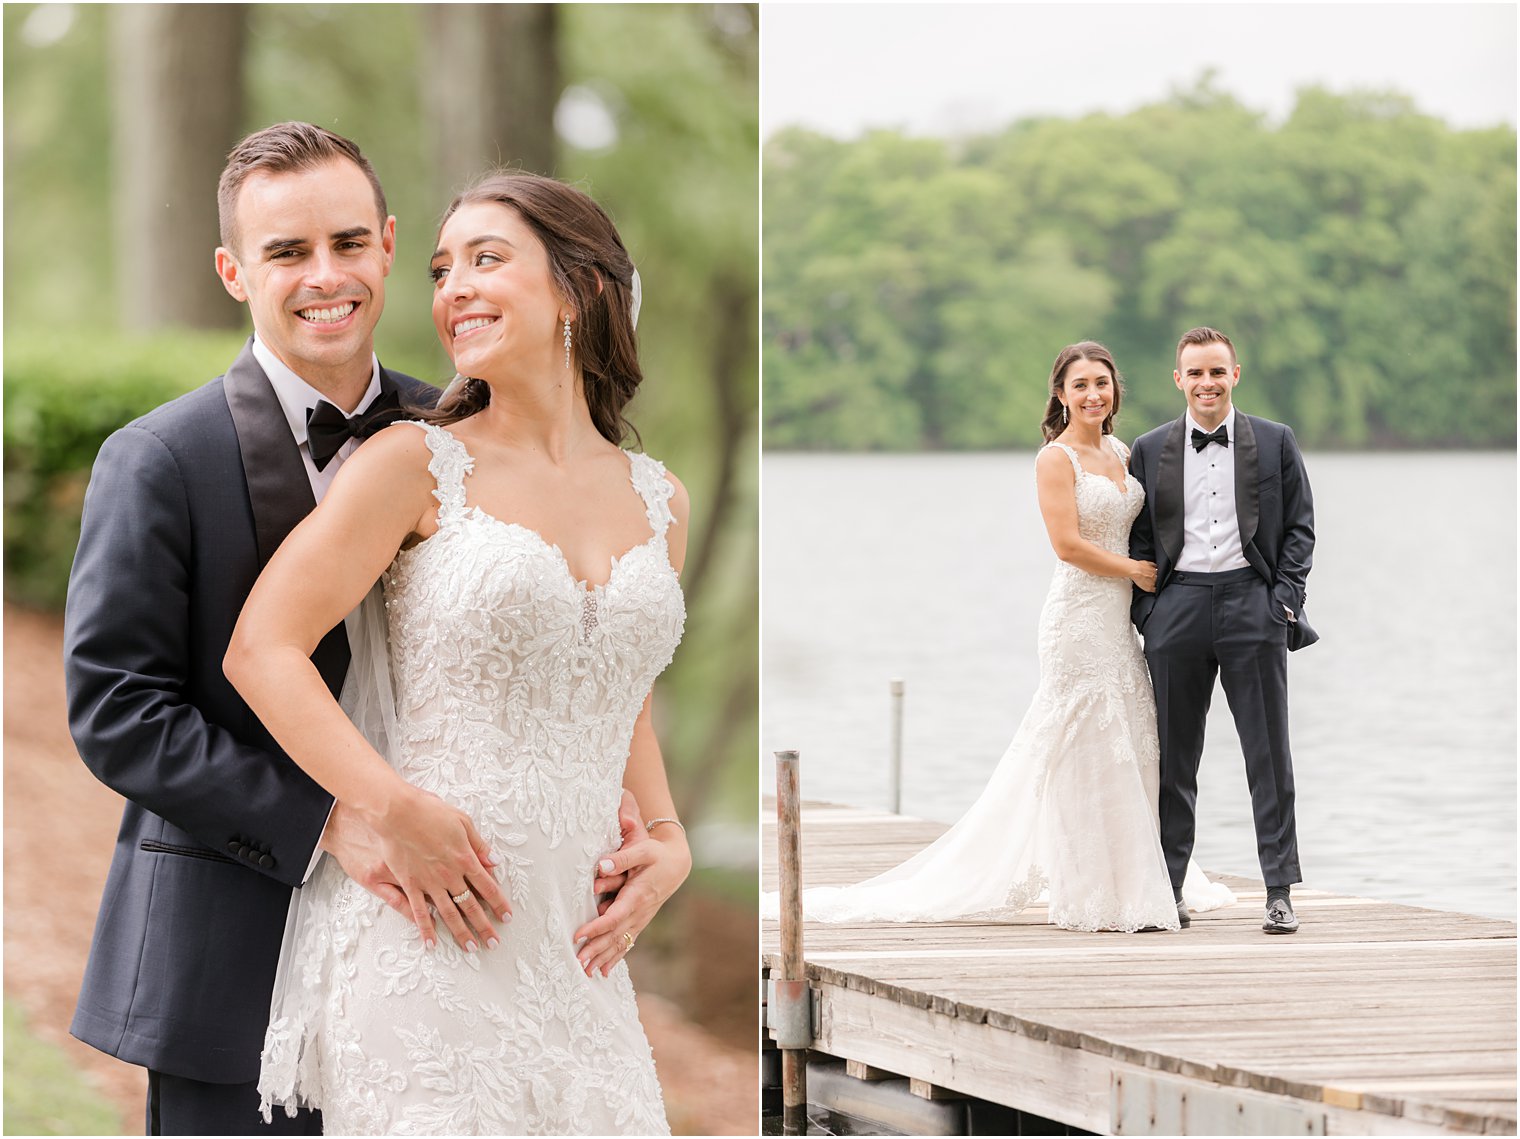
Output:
(897, 720)
(789, 1009)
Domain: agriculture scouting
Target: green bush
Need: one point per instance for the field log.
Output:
(61, 401)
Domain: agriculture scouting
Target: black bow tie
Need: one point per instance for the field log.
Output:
(1202, 439)
(327, 428)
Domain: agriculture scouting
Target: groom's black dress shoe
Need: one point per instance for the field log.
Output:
(1280, 917)
(1182, 914)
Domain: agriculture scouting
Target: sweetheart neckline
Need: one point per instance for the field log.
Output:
(1124, 490)
(1071, 453)
(581, 585)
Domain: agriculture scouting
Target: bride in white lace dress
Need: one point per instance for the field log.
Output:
(500, 682)
(1070, 811)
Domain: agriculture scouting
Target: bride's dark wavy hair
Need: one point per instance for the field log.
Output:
(1053, 424)
(592, 271)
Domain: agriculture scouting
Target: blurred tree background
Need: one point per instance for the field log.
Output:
(117, 121)
(1360, 254)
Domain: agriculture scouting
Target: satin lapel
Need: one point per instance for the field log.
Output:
(1247, 493)
(1169, 492)
(388, 384)
(278, 488)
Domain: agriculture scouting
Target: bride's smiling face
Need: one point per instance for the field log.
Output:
(495, 303)
(1087, 390)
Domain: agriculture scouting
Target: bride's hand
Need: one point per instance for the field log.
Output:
(1143, 574)
(631, 827)
(655, 868)
(436, 855)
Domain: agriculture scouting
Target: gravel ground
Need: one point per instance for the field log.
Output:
(60, 827)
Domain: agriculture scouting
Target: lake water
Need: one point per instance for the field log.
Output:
(933, 568)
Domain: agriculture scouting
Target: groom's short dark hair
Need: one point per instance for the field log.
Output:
(1203, 335)
(278, 150)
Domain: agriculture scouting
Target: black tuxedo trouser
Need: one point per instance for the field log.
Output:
(1226, 625)
(180, 1106)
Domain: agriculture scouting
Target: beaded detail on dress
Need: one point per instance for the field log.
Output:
(516, 692)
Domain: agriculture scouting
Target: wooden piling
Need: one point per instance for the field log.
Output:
(790, 995)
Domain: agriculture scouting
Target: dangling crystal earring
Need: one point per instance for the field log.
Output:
(1063, 415)
(567, 341)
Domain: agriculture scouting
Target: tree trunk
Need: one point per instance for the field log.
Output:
(177, 73)
(490, 83)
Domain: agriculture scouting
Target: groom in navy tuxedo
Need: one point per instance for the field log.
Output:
(185, 505)
(1229, 522)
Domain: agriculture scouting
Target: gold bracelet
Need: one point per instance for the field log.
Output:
(652, 823)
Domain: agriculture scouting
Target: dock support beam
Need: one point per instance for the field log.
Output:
(790, 1004)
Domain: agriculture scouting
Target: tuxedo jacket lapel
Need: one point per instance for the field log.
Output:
(278, 489)
(1169, 505)
(1248, 492)
(388, 383)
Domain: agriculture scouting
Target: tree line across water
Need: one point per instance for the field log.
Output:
(1360, 254)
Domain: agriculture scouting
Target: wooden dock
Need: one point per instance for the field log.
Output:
(1374, 1018)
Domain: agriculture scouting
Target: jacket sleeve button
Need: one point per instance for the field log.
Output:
(266, 861)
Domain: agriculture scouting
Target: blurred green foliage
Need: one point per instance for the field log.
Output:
(44, 1095)
(1361, 255)
(680, 178)
(59, 407)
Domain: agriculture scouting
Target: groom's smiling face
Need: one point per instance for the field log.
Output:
(311, 257)
(1207, 374)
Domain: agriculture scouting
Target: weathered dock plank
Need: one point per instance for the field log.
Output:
(1375, 1018)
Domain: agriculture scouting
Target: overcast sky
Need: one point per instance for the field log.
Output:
(965, 68)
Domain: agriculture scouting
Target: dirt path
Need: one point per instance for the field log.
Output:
(60, 828)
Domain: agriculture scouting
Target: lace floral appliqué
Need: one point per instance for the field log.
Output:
(516, 691)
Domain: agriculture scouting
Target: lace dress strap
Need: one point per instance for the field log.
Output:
(1119, 449)
(448, 466)
(648, 478)
(1076, 464)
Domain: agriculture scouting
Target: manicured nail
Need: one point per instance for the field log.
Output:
(491, 859)
(430, 943)
(470, 947)
(580, 941)
(507, 917)
(492, 942)
(605, 866)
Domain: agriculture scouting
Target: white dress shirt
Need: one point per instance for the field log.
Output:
(1210, 526)
(297, 397)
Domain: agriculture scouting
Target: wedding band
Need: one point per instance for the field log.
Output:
(628, 937)
(460, 899)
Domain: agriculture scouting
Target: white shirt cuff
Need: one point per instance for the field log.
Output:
(317, 851)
